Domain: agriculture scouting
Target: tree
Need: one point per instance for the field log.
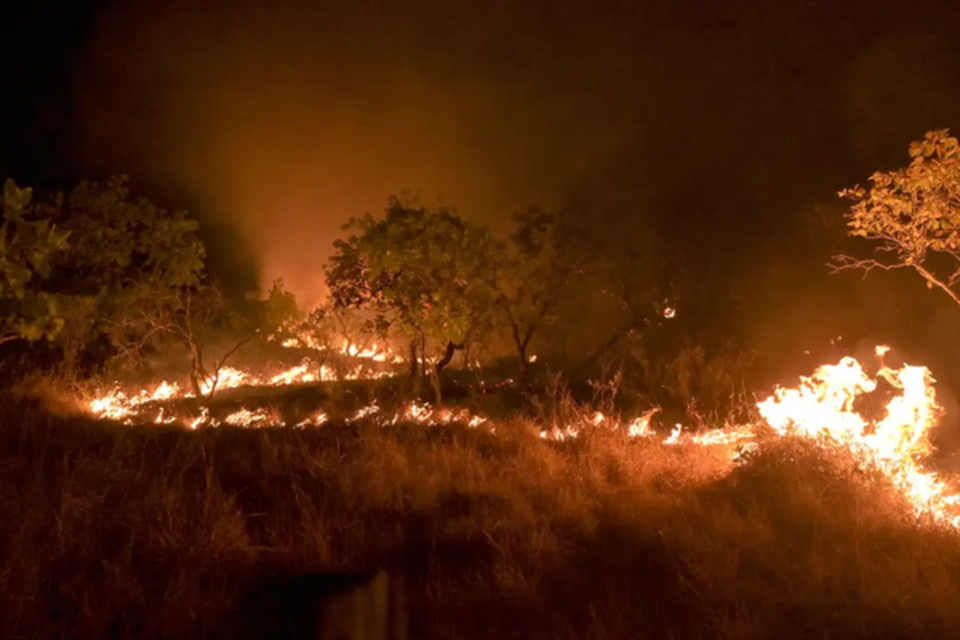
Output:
(425, 273)
(607, 260)
(189, 315)
(28, 245)
(912, 215)
(541, 263)
(120, 248)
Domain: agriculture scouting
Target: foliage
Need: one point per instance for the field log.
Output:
(912, 215)
(544, 259)
(709, 384)
(189, 316)
(29, 244)
(424, 272)
(118, 241)
(120, 248)
(275, 313)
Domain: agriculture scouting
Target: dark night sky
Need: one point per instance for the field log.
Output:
(728, 125)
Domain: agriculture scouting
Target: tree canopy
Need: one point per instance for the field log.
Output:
(89, 264)
(544, 259)
(29, 245)
(426, 272)
(912, 215)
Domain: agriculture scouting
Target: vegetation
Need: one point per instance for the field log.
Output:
(148, 530)
(425, 272)
(543, 262)
(912, 215)
(27, 244)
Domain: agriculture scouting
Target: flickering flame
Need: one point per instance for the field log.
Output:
(820, 408)
(117, 405)
(373, 351)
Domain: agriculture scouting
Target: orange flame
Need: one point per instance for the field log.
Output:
(820, 408)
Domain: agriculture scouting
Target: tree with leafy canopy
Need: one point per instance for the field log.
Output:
(29, 243)
(119, 248)
(580, 256)
(541, 263)
(634, 272)
(426, 273)
(912, 215)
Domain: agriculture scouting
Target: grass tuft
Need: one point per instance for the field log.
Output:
(115, 531)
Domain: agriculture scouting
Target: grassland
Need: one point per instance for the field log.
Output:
(136, 532)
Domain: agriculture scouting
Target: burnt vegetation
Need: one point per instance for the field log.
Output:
(154, 519)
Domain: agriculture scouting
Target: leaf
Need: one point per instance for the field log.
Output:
(14, 197)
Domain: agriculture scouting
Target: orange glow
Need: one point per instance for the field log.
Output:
(819, 408)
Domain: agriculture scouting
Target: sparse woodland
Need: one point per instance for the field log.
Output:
(289, 439)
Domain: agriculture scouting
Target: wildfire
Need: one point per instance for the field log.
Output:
(117, 405)
(374, 352)
(820, 408)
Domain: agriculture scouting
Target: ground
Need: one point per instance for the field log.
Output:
(120, 531)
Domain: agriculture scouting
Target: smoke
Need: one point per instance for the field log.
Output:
(721, 124)
(286, 121)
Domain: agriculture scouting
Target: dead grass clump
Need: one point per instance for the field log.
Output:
(801, 543)
(134, 532)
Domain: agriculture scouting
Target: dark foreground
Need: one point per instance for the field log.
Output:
(143, 533)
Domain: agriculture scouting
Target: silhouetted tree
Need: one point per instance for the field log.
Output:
(544, 259)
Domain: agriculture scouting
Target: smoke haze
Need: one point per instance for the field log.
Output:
(288, 121)
(729, 126)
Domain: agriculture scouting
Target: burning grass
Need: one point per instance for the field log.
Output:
(816, 524)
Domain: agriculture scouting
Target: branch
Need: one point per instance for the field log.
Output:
(222, 361)
(843, 262)
(846, 263)
(931, 278)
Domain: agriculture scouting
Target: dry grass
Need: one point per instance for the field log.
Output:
(128, 532)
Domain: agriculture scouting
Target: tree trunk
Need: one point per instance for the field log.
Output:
(447, 356)
(414, 369)
(524, 363)
(424, 365)
(440, 366)
(437, 390)
(198, 374)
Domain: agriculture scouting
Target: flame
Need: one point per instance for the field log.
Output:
(374, 351)
(119, 406)
(820, 408)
